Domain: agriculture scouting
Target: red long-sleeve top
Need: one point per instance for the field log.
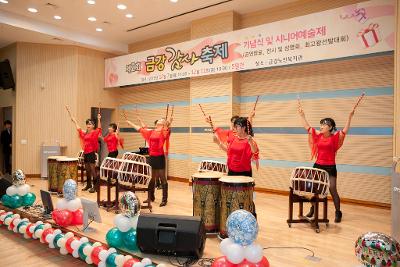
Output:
(325, 148)
(156, 140)
(90, 140)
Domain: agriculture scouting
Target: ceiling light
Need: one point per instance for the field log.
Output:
(32, 10)
(57, 17)
(91, 2)
(174, 1)
(91, 18)
(121, 6)
(4, 1)
(129, 16)
(99, 29)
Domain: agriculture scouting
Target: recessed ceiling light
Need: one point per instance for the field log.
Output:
(32, 10)
(121, 6)
(4, 1)
(91, 2)
(91, 18)
(99, 29)
(129, 16)
(57, 17)
(174, 1)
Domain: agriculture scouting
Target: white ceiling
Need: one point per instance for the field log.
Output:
(17, 24)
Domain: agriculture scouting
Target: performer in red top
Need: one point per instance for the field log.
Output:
(90, 143)
(241, 148)
(112, 140)
(324, 145)
(156, 139)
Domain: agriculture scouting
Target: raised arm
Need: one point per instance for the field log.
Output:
(136, 127)
(251, 116)
(303, 119)
(72, 118)
(171, 118)
(99, 120)
(347, 126)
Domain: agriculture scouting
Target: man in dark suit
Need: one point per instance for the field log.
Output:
(6, 141)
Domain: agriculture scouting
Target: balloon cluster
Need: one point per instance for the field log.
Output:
(377, 249)
(67, 243)
(239, 249)
(123, 236)
(18, 194)
(68, 209)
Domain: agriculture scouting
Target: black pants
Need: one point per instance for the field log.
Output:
(7, 162)
(113, 154)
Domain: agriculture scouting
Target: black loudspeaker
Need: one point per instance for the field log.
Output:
(6, 76)
(182, 236)
(4, 184)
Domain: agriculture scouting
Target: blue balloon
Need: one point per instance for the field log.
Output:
(6, 200)
(28, 199)
(242, 227)
(15, 201)
(80, 250)
(130, 240)
(56, 238)
(69, 189)
(114, 238)
(21, 224)
(110, 262)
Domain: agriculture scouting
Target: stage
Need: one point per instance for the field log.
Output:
(333, 246)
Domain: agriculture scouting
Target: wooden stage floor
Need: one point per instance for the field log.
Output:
(333, 246)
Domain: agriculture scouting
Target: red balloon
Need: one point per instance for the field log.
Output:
(222, 262)
(68, 244)
(46, 232)
(262, 263)
(62, 217)
(2, 222)
(95, 254)
(77, 217)
(130, 262)
(28, 233)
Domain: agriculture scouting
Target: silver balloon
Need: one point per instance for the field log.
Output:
(18, 177)
(377, 249)
(69, 189)
(129, 205)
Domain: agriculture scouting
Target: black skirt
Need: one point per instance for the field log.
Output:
(331, 169)
(246, 173)
(157, 162)
(89, 157)
(113, 154)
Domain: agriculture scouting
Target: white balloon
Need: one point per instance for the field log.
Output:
(134, 221)
(235, 253)
(146, 261)
(22, 190)
(73, 205)
(102, 264)
(103, 254)
(223, 246)
(161, 265)
(119, 260)
(87, 250)
(138, 264)
(62, 204)
(75, 254)
(253, 253)
(63, 251)
(88, 260)
(75, 244)
(11, 190)
(123, 223)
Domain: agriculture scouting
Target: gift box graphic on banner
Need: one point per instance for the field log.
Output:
(369, 36)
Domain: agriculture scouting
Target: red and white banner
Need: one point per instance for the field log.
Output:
(357, 29)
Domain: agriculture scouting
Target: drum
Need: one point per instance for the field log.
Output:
(52, 172)
(206, 198)
(307, 181)
(67, 168)
(236, 193)
(135, 173)
(211, 165)
(109, 168)
(134, 157)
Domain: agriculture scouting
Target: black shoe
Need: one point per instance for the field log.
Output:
(163, 203)
(338, 216)
(311, 212)
(92, 190)
(87, 187)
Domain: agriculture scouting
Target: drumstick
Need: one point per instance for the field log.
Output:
(172, 111)
(99, 108)
(124, 115)
(203, 111)
(68, 109)
(166, 114)
(255, 104)
(205, 116)
(359, 100)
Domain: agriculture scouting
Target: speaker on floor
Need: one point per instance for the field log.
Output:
(182, 236)
(4, 184)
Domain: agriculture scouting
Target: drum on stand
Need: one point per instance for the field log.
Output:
(67, 168)
(236, 193)
(307, 181)
(52, 172)
(206, 198)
